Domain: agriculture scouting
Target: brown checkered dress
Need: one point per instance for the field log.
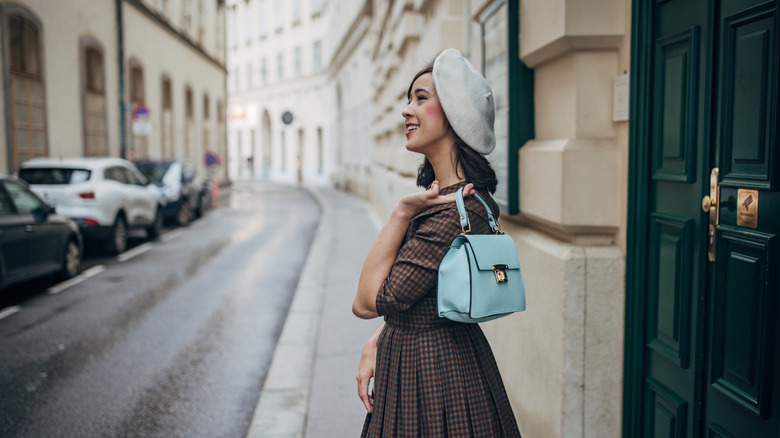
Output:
(434, 377)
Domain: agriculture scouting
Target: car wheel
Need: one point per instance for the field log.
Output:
(155, 229)
(185, 213)
(71, 263)
(117, 244)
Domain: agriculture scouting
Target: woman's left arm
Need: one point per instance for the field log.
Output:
(383, 252)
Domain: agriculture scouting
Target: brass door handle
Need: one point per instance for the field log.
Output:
(707, 203)
(710, 204)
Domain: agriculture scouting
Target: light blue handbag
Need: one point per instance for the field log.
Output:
(479, 277)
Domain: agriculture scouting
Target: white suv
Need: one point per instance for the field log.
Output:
(105, 196)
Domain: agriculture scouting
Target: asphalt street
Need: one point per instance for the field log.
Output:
(173, 341)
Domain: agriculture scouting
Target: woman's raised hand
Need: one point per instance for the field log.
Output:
(415, 203)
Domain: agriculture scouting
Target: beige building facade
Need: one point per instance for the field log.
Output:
(131, 78)
(279, 87)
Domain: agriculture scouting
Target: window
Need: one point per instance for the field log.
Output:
(317, 51)
(262, 18)
(296, 11)
(115, 173)
(136, 83)
(298, 67)
(263, 72)
(219, 36)
(54, 175)
(279, 15)
(26, 91)
(95, 124)
(26, 203)
(6, 206)
(167, 94)
(236, 79)
(247, 30)
(249, 75)
(139, 140)
(189, 124)
(162, 8)
(186, 20)
(189, 105)
(201, 22)
(221, 135)
(513, 98)
(280, 66)
(320, 151)
(232, 28)
(167, 118)
(316, 7)
(205, 138)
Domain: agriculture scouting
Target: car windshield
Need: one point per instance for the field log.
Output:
(54, 175)
(153, 171)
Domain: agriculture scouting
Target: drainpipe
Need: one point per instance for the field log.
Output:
(121, 65)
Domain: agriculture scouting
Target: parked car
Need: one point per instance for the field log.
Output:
(34, 241)
(186, 195)
(105, 196)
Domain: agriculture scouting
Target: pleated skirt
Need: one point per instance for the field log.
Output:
(439, 381)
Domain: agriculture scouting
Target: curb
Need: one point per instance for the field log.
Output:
(281, 410)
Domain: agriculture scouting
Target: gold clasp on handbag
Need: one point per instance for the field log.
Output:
(500, 273)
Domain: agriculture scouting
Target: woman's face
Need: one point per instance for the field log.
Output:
(426, 124)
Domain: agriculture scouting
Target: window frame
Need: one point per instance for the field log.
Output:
(520, 94)
(90, 45)
(7, 10)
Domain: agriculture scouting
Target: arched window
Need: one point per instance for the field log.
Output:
(26, 91)
(95, 123)
(206, 138)
(167, 118)
(139, 148)
(137, 90)
(189, 128)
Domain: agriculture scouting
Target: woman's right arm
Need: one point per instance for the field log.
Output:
(366, 369)
(383, 252)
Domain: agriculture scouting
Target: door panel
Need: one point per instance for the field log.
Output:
(743, 383)
(673, 306)
(748, 96)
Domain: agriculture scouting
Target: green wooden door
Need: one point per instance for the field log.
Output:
(702, 330)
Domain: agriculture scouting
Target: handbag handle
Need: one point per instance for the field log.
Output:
(465, 225)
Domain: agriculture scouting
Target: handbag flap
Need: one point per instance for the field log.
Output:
(493, 249)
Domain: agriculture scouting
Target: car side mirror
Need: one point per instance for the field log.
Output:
(43, 211)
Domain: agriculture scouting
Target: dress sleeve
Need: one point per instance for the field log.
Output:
(415, 270)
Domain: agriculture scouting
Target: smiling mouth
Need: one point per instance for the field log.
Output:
(411, 128)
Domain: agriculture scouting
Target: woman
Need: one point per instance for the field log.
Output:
(432, 377)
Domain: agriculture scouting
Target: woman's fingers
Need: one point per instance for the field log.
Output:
(367, 400)
(468, 190)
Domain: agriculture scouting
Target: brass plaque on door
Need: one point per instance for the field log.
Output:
(747, 208)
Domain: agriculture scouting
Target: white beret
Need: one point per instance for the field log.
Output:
(467, 100)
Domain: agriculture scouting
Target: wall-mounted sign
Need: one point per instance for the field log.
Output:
(747, 208)
(287, 117)
(142, 119)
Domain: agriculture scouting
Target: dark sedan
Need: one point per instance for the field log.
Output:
(34, 240)
(187, 196)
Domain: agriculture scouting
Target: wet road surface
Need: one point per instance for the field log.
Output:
(172, 342)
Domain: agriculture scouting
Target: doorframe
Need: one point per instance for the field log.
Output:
(637, 218)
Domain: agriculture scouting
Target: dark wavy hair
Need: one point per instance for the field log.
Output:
(475, 166)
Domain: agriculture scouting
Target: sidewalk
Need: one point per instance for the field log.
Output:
(310, 390)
